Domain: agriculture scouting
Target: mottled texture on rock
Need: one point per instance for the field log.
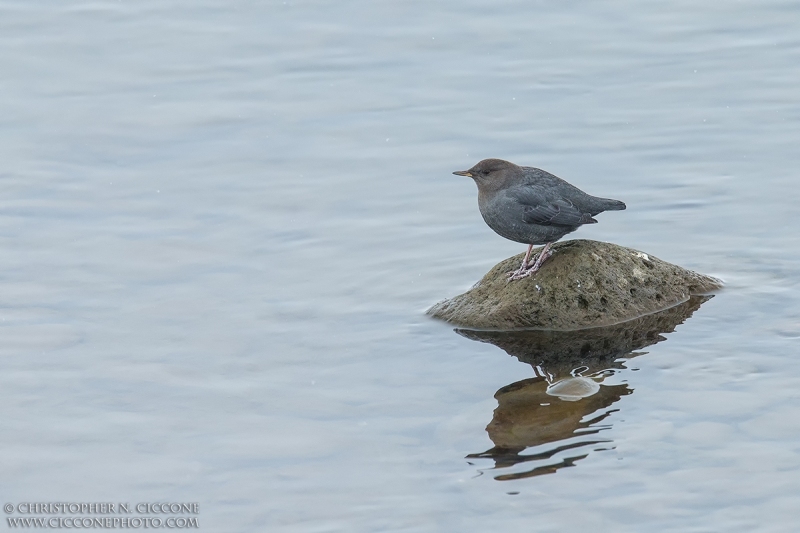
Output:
(584, 284)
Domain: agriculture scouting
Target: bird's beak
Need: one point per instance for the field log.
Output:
(463, 173)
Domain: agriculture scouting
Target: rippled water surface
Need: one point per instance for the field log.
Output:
(221, 224)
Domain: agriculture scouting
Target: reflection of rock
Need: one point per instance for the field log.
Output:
(562, 351)
(541, 411)
(527, 416)
(585, 284)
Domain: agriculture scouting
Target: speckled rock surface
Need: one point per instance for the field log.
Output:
(584, 284)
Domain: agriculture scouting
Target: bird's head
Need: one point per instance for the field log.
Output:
(489, 172)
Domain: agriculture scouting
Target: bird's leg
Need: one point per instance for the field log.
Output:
(524, 265)
(527, 257)
(525, 272)
(543, 255)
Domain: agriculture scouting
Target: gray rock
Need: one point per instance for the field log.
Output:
(584, 284)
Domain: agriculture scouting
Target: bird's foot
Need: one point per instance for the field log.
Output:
(519, 271)
(520, 274)
(522, 268)
(528, 270)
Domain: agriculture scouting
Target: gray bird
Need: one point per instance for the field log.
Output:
(531, 206)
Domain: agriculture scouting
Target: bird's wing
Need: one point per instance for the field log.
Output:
(550, 212)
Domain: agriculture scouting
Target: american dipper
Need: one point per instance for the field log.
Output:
(531, 206)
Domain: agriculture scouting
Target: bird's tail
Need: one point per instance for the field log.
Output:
(612, 205)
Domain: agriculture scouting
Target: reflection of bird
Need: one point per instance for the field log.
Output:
(527, 416)
(531, 206)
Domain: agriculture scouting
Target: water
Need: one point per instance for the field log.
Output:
(221, 224)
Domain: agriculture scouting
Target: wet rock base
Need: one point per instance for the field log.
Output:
(584, 284)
